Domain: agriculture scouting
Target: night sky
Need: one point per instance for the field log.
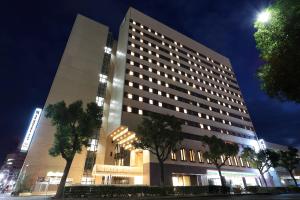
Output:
(33, 35)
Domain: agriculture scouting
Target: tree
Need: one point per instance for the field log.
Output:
(160, 134)
(262, 160)
(218, 152)
(289, 160)
(74, 127)
(278, 42)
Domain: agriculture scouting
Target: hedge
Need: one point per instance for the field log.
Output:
(272, 190)
(139, 191)
(97, 191)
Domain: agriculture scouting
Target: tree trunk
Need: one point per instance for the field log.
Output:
(223, 183)
(162, 173)
(293, 177)
(60, 189)
(263, 177)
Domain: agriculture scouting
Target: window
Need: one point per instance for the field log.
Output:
(140, 112)
(182, 155)
(129, 96)
(192, 155)
(102, 78)
(173, 156)
(99, 101)
(107, 50)
(200, 157)
(129, 109)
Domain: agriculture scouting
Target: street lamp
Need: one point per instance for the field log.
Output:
(264, 16)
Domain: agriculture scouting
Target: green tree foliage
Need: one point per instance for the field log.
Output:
(278, 42)
(217, 148)
(289, 160)
(74, 127)
(160, 134)
(262, 160)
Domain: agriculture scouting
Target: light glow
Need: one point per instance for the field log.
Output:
(264, 16)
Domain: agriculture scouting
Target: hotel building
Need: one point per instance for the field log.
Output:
(150, 68)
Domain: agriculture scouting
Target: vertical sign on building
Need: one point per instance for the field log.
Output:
(31, 129)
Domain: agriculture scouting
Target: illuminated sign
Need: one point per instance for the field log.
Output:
(31, 129)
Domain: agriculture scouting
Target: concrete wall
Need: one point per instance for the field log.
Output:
(77, 78)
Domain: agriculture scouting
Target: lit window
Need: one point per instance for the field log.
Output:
(129, 96)
(130, 84)
(132, 45)
(140, 87)
(141, 76)
(150, 79)
(141, 66)
(201, 126)
(159, 82)
(173, 155)
(160, 104)
(99, 101)
(150, 90)
(129, 109)
(176, 98)
(93, 143)
(141, 57)
(167, 95)
(159, 92)
(131, 73)
(200, 157)
(185, 111)
(177, 109)
(157, 55)
(158, 72)
(102, 78)
(167, 85)
(131, 63)
(182, 154)
(141, 48)
(192, 155)
(107, 50)
(140, 112)
(141, 99)
(132, 53)
(199, 115)
(150, 101)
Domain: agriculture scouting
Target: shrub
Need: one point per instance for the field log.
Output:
(139, 191)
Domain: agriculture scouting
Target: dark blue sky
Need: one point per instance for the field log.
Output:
(33, 35)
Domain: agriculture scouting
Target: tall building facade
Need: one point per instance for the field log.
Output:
(150, 68)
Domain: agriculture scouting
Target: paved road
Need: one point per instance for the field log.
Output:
(245, 197)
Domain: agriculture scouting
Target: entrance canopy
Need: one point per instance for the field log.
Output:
(123, 137)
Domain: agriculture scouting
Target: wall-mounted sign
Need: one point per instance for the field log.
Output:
(30, 131)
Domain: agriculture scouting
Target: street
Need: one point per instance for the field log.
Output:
(243, 197)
